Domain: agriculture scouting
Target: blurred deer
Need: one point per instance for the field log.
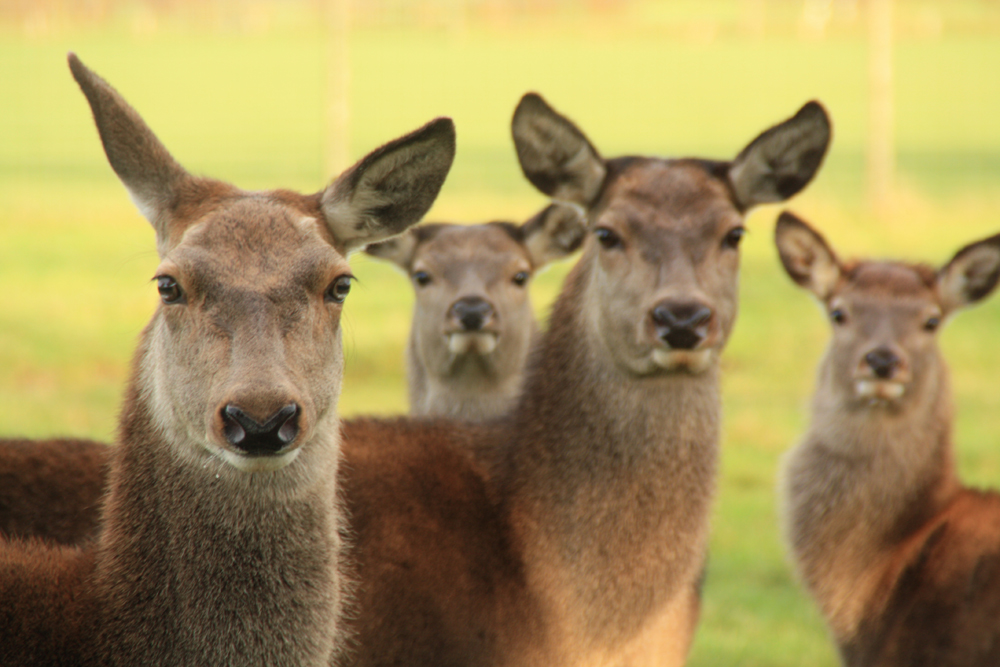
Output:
(903, 560)
(473, 322)
(221, 534)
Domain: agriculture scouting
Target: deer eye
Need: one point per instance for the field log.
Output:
(170, 291)
(607, 238)
(932, 323)
(338, 290)
(422, 278)
(733, 238)
(520, 278)
(838, 316)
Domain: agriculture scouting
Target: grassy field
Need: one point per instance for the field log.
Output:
(246, 105)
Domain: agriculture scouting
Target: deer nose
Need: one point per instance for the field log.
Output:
(256, 439)
(883, 362)
(472, 312)
(681, 325)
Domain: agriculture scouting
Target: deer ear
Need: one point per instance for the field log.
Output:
(152, 177)
(971, 275)
(556, 231)
(399, 250)
(783, 159)
(554, 154)
(391, 188)
(806, 256)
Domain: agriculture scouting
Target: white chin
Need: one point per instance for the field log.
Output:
(879, 389)
(482, 343)
(693, 361)
(246, 463)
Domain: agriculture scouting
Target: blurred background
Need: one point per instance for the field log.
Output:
(287, 93)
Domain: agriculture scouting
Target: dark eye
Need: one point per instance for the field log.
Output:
(607, 238)
(733, 238)
(338, 290)
(932, 323)
(838, 316)
(170, 291)
(520, 278)
(422, 278)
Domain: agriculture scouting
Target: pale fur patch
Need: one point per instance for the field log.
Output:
(883, 389)
(468, 343)
(694, 361)
(257, 463)
(591, 173)
(346, 219)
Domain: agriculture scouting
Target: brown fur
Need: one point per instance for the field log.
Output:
(51, 489)
(475, 374)
(573, 530)
(216, 546)
(903, 561)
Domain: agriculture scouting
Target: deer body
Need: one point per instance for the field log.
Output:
(220, 540)
(473, 323)
(901, 558)
(573, 530)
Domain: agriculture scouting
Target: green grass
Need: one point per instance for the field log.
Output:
(76, 259)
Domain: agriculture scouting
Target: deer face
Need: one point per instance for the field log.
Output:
(662, 257)
(242, 360)
(471, 286)
(885, 315)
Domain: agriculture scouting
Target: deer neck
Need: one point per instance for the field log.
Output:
(198, 563)
(612, 476)
(861, 483)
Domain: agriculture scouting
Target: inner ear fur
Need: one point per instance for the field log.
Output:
(554, 154)
(391, 188)
(783, 159)
(971, 275)
(807, 257)
(399, 250)
(553, 233)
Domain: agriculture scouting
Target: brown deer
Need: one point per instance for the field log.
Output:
(903, 560)
(578, 534)
(473, 323)
(221, 538)
(51, 489)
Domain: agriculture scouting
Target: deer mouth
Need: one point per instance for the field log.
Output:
(472, 342)
(691, 361)
(879, 390)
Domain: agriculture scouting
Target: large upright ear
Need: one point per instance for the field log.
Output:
(556, 156)
(152, 177)
(783, 159)
(391, 188)
(971, 275)
(806, 256)
(554, 232)
(399, 250)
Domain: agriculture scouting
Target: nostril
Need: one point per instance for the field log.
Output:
(680, 325)
(247, 434)
(883, 362)
(471, 321)
(472, 312)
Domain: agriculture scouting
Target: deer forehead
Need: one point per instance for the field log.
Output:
(888, 282)
(257, 244)
(488, 251)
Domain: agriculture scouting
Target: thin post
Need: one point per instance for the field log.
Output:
(336, 153)
(881, 153)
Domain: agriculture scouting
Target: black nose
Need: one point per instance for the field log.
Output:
(247, 434)
(681, 325)
(472, 312)
(883, 362)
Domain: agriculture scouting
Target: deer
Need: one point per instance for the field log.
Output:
(573, 529)
(473, 322)
(51, 489)
(901, 558)
(222, 531)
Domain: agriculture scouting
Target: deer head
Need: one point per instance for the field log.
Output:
(242, 360)
(662, 253)
(884, 315)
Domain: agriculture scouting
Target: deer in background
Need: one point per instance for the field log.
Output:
(903, 560)
(473, 323)
(220, 541)
(574, 529)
